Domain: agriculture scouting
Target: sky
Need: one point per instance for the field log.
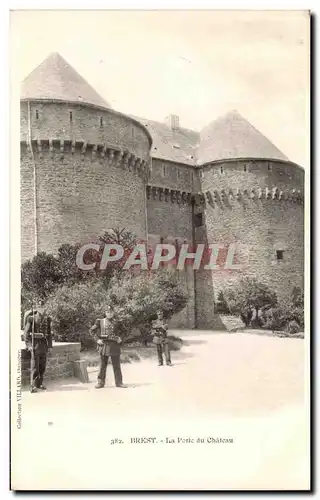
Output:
(196, 64)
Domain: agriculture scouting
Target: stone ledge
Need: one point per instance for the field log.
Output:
(60, 362)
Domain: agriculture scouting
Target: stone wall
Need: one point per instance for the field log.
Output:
(246, 208)
(78, 198)
(59, 362)
(172, 175)
(83, 123)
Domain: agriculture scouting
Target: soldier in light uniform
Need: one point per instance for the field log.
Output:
(160, 339)
(38, 325)
(108, 346)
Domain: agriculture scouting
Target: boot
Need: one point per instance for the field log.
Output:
(99, 385)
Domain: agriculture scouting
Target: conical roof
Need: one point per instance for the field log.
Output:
(232, 136)
(55, 79)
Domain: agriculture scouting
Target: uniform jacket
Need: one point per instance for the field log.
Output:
(105, 327)
(159, 329)
(42, 324)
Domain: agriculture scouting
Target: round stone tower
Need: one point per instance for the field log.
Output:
(252, 199)
(84, 166)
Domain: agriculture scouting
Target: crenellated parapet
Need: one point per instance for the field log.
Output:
(225, 196)
(106, 154)
(169, 195)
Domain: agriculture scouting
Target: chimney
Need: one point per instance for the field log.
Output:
(172, 121)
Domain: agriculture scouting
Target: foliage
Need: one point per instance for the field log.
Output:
(43, 274)
(288, 315)
(137, 299)
(74, 309)
(249, 296)
(293, 327)
(39, 277)
(222, 306)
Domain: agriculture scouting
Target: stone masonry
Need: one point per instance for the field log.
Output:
(60, 363)
(86, 168)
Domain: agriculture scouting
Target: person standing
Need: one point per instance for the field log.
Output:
(103, 332)
(38, 339)
(160, 339)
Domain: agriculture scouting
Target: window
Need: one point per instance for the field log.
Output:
(101, 121)
(269, 166)
(37, 114)
(280, 254)
(244, 168)
(221, 169)
(164, 169)
(70, 115)
(198, 220)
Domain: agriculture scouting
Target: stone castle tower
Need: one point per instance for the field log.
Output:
(86, 168)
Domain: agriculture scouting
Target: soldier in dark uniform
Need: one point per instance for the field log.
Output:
(38, 325)
(108, 342)
(160, 339)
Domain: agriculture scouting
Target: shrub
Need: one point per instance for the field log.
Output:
(74, 309)
(249, 296)
(137, 298)
(288, 312)
(39, 278)
(45, 273)
(275, 319)
(222, 306)
(293, 327)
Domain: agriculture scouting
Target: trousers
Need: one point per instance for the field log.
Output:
(116, 369)
(163, 349)
(38, 368)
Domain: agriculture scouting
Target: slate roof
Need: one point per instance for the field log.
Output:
(55, 79)
(178, 146)
(228, 137)
(232, 136)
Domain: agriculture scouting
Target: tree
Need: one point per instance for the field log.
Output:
(249, 296)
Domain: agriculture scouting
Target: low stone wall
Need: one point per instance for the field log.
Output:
(60, 362)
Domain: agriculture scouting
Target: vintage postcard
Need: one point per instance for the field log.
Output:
(160, 202)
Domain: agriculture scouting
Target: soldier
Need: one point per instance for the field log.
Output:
(38, 339)
(160, 328)
(108, 345)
